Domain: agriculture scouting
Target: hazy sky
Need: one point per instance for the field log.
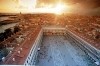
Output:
(80, 6)
(16, 5)
(85, 3)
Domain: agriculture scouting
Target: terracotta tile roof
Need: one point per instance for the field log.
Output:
(26, 46)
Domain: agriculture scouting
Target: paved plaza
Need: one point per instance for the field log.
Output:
(58, 51)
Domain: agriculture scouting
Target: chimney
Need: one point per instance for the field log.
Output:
(3, 59)
(13, 47)
(38, 49)
(13, 59)
(17, 44)
(10, 52)
(28, 38)
(21, 49)
(19, 52)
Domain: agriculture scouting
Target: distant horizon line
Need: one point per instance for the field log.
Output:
(8, 13)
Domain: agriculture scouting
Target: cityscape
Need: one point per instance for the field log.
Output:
(50, 32)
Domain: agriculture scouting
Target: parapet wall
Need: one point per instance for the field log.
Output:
(90, 50)
(53, 30)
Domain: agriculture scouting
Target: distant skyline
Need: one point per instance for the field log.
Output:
(28, 6)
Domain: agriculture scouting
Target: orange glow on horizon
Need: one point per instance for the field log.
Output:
(58, 9)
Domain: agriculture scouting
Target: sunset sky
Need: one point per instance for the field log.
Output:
(84, 6)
